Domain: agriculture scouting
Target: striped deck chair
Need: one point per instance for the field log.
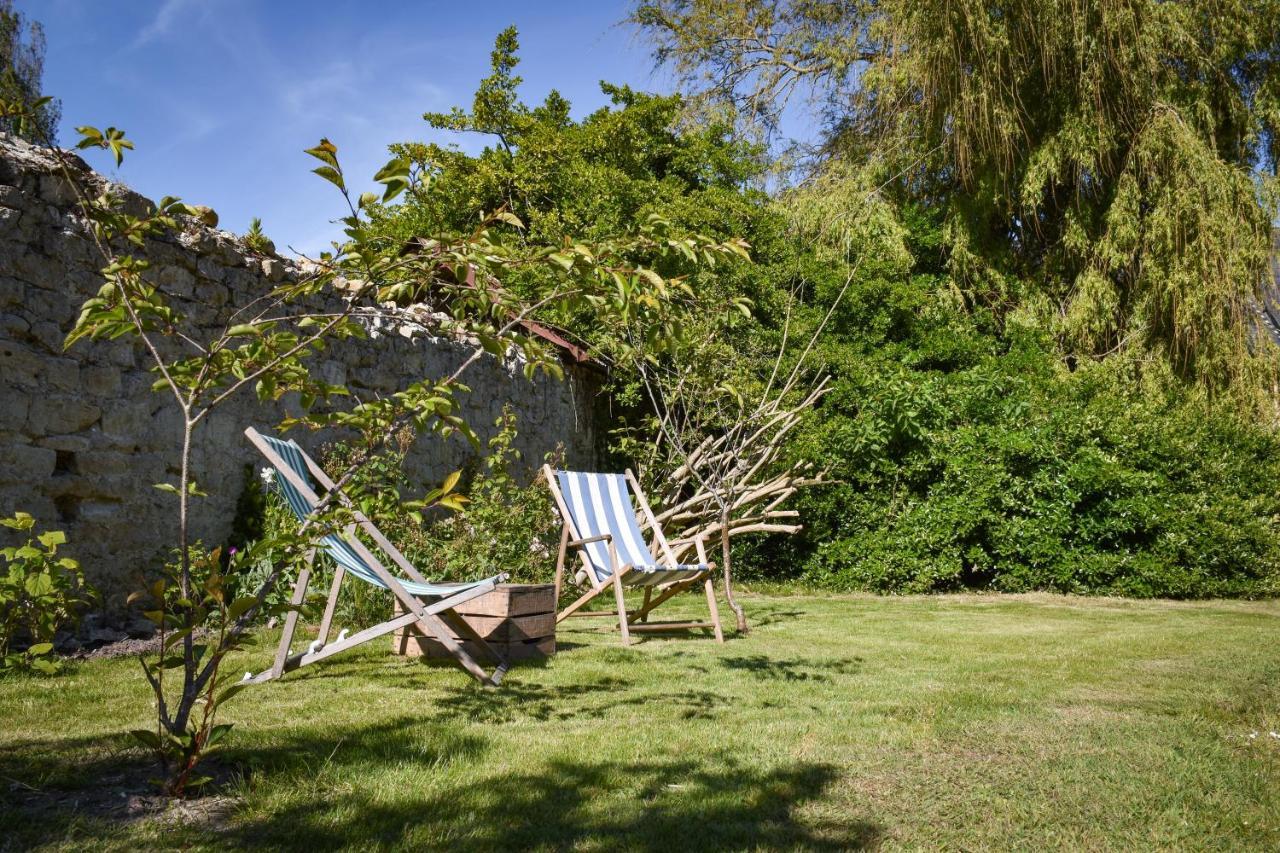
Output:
(600, 523)
(429, 607)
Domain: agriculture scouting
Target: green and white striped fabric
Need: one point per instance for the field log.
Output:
(601, 504)
(335, 545)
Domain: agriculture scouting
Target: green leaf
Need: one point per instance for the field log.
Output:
(509, 218)
(147, 738)
(52, 538)
(167, 487)
(20, 521)
(38, 585)
(216, 734)
(44, 666)
(40, 649)
(331, 175)
(230, 691)
(90, 136)
(240, 606)
(243, 329)
(326, 152)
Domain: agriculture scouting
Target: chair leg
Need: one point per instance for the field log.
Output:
(327, 622)
(560, 558)
(291, 620)
(644, 605)
(622, 610)
(715, 610)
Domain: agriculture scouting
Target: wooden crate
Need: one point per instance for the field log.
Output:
(517, 620)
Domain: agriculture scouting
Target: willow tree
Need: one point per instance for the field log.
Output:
(1106, 167)
(22, 47)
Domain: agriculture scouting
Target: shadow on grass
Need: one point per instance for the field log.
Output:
(93, 784)
(380, 785)
(570, 702)
(567, 804)
(100, 785)
(791, 669)
(763, 615)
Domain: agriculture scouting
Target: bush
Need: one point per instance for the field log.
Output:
(1011, 473)
(40, 593)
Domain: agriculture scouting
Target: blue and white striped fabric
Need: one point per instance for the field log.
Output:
(600, 504)
(334, 544)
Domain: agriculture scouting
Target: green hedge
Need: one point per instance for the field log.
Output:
(1002, 470)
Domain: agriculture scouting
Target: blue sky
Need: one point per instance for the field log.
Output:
(222, 96)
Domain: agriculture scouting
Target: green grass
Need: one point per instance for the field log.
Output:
(961, 722)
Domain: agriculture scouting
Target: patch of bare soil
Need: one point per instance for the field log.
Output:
(127, 646)
(128, 795)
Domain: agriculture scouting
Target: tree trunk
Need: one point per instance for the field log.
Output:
(728, 573)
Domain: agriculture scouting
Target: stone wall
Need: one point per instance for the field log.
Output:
(83, 438)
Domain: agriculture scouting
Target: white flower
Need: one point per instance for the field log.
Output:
(268, 476)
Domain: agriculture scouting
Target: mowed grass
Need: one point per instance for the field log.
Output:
(960, 722)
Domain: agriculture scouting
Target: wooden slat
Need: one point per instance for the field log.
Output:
(669, 626)
(417, 646)
(509, 599)
(334, 648)
(498, 629)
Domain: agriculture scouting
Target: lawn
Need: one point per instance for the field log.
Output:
(960, 722)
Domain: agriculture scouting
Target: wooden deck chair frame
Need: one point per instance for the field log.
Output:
(434, 619)
(639, 620)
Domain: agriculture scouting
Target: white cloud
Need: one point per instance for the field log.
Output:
(162, 24)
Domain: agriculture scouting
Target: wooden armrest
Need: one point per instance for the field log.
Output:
(577, 543)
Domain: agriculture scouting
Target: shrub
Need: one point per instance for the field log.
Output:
(1014, 474)
(40, 593)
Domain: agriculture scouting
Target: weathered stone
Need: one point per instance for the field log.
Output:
(19, 365)
(175, 281)
(37, 268)
(127, 419)
(12, 292)
(212, 294)
(49, 335)
(62, 374)
(100, 380)
(99, 463)
(210, 270)
(50, 305)
(72, 443)
(13, 413)
(57, 190)
(60, 414)
(122, 353)
(13, 326)
(22, 462)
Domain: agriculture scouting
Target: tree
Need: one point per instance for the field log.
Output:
(21, 69)
(711, 458)
(1106, 167)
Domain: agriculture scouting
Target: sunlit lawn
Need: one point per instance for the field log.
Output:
(958, 722)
